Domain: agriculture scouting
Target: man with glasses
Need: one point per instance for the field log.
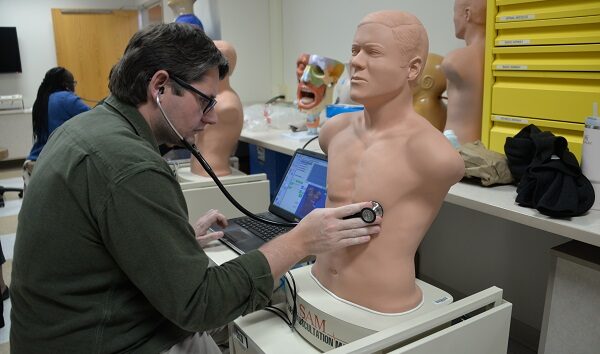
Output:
(112, 264)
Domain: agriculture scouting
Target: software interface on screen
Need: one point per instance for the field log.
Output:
(304, 186)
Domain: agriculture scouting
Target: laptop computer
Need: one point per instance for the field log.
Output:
(302, 189)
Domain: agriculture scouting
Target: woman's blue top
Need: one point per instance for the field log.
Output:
(62, 106)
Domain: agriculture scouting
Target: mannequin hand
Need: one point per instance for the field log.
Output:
(324, 230)
(204, 222)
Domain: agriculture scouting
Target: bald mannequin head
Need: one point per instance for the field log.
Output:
(229, 52)
(468, 12)
(389, 51)
(409, 32)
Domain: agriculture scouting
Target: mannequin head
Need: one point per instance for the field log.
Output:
(389, 51)
(229, 52)
(184, 12)
(182, 7)
(316, 77)
(468, 13)
(433, 81)
(427, 95)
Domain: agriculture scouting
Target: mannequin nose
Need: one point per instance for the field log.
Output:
(357, 61)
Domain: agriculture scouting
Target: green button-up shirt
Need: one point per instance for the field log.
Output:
(105, 260)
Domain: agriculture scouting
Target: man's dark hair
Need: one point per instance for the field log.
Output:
(181, 49)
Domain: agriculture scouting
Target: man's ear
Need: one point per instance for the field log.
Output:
(415, 65)
(158, 82)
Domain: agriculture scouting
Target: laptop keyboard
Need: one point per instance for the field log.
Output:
(262, 230)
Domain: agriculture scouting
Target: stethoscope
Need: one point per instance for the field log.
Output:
(368, 215)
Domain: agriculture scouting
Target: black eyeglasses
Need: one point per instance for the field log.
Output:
(211, 101)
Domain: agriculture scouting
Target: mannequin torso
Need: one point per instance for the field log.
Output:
(218, 142)
(385, 166)
(388, 154)
(464, 70)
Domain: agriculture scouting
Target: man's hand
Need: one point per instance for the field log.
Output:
(322, 230)
(204, 222)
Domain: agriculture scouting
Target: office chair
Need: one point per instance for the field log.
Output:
(3, 155)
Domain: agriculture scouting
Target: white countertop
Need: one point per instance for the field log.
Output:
(15, 111)
(499, 201)
(276, 140)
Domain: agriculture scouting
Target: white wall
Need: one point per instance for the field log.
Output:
(327, 27)
(267, 34)
(33, 21)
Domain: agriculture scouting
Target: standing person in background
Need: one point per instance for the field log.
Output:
(56, 102)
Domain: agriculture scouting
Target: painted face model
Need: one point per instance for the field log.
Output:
(316, 76)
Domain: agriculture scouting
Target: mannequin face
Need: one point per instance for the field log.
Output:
(378, 67)
(301, 64)
(315, 75)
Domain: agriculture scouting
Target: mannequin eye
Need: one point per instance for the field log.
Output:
(317, 71)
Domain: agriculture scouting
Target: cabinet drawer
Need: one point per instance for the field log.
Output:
(570, 30)
(527, 10)
(505, 126)
(578, 57)
(566, 97)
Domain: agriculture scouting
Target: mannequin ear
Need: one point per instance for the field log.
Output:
(468, 14)
(414, 68)
(427, 82)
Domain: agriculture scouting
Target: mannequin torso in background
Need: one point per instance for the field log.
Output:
(390, 154)
(217, 142)
(427, 96)
(464, 69)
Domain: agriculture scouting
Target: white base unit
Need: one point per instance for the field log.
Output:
(476, 324)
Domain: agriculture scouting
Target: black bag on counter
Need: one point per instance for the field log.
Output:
(550, 179)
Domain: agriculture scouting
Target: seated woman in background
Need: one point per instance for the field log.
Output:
(56, 102)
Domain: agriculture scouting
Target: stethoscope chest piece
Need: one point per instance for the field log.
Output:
(369, 215)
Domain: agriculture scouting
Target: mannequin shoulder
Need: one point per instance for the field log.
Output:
(334, 126)
(229, 105)
(338, 123)
(441, 159)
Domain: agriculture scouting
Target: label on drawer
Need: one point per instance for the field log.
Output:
(515, 42)
(511, 67)
(517, 18)
(510, 119)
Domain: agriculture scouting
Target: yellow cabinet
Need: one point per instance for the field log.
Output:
(542, 67)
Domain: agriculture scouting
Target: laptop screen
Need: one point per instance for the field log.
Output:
(304, 186)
